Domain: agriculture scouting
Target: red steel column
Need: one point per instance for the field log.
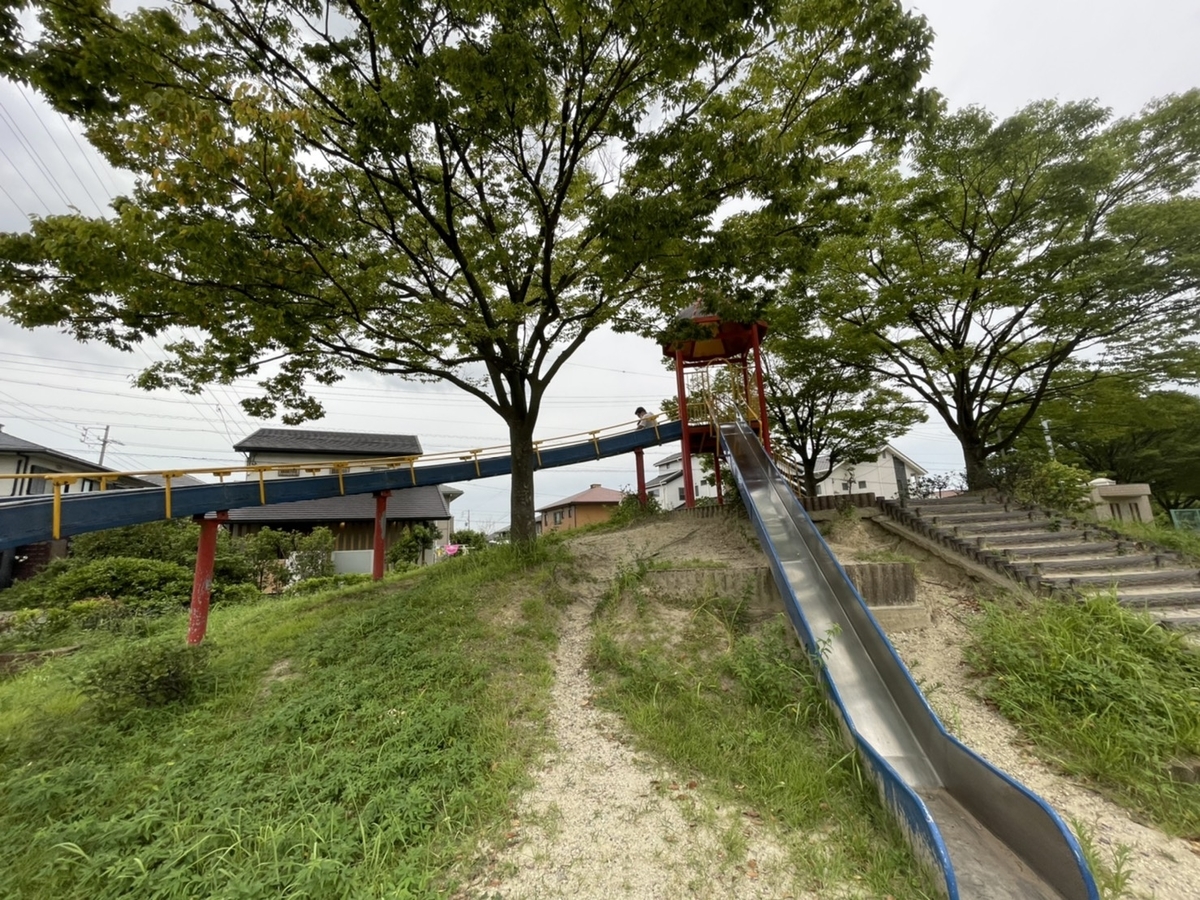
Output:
(641, 476)
(762, 396)
(206, 552)
(689, 489)
(381, 500)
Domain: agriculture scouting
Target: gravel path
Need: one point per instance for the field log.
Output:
(604, 821)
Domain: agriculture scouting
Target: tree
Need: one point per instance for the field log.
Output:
(826, 406)
(1014, 253)
(453, 190)
(1119, 429)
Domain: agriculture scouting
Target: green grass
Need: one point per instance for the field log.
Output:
(1182, 541)
(346, 745)
(739, 710)
(1104, 693)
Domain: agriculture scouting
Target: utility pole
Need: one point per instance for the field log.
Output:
(105, 440)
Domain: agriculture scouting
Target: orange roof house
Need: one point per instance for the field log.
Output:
(589, 507)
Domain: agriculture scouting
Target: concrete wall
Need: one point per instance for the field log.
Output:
(1124, 502)
(577, 515)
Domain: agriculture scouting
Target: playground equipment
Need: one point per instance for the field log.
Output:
(29, 520)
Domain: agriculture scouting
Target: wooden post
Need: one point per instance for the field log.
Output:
(641, 476)
(689, 490)
(206, 553)
(377, 561)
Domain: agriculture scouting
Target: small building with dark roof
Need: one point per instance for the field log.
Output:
(303, 452)
(590, 507)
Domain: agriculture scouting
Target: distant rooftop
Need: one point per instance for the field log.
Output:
(594, 494)
(344, 444)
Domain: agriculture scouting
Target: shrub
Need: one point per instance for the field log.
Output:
(148, 673)
(169, 541)
(1054, 485)
(326, 583)
(313, 557)
(406, 550)
(141, 584)
(630, 510)
(96, 612)
(231, 594)
(1035, 479)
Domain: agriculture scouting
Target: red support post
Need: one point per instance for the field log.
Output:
(762, 396)
(381, 499)
(206, 553)
(689, 489)
(641, 476)
(717, 477)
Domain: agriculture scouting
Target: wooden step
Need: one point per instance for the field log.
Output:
(1061, 567)
(1155, 599)
(1034, 539)
(1183, 578)
(1018, 526)
(1064, 551)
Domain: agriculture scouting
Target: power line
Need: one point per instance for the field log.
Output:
(25, 143)
(54, 140)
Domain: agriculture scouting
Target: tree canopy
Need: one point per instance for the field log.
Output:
(462, 190)
(1123, 431)
(1006, 255)
(826, 406)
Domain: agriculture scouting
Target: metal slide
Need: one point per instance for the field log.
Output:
(984, 835)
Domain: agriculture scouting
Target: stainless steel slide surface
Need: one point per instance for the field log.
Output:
(977, 830)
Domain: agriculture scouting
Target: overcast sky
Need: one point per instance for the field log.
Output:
(996, 54)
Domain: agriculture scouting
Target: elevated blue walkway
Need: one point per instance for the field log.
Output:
(28, 520)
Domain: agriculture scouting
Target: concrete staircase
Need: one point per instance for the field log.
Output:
(1056, 555)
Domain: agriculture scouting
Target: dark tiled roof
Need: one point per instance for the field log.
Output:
(342, 443)
(418, 503)
(11, 444)
(664, 479)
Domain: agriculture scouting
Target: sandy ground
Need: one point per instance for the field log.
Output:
(604, 821)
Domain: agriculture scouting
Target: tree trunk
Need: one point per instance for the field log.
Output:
(978, 477)
(522, 525)
(810, 482)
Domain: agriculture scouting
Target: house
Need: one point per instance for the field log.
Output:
(667, 485)
(21, 457)
(303, 452)
(589, 507)
(886, 476)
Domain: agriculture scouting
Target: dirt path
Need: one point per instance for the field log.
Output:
(604, 821)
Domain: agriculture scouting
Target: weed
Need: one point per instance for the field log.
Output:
(399, 741)
(1103, 691)
(1112, 873)
(743, 710)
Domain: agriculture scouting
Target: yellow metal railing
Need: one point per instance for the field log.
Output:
(60, 480)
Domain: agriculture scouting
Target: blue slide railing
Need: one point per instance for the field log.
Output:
(981, 834)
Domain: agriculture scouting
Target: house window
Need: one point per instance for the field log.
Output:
(289, 473)
(862, 484)
(846, 486)
(558, 517)
(681, 497)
